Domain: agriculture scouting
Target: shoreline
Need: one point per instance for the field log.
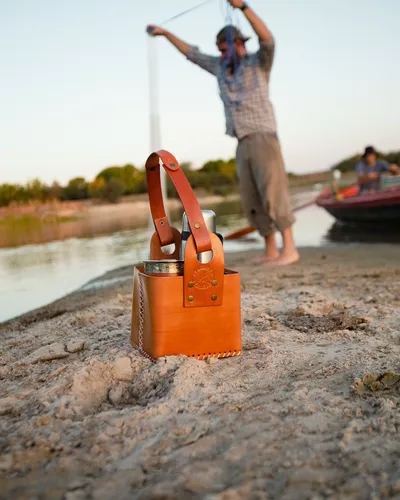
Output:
(78, 299)
(310, 409)
(66, 208)
(119, 280)
(45, 225)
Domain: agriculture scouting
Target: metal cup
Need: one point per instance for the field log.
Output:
(165, 267)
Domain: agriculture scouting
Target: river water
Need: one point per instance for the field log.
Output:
(34, 275)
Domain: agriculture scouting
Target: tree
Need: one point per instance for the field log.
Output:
(36, 190)
(76, 189)
(212, 166)
(55, 191)
(130, 176)
(393, 157)
(113, 190)
(8, 193)
(96, 188)
(348, 164)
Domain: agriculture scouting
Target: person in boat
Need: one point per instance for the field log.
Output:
(369, 170)
(243, 81)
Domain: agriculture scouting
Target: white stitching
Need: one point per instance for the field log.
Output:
(196, 356)
(143, 353)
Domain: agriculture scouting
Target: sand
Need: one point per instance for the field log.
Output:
(310, 411)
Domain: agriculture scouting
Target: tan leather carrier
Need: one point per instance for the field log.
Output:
(197, 314)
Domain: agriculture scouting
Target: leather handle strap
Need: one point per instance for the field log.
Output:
(189, 201)
(203, 283)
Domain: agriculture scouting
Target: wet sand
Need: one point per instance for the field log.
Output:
(311, 410)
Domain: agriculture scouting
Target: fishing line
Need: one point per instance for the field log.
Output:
(155, 129)
(150, 30)
(235, 82)
(155, 135)
(153, 77)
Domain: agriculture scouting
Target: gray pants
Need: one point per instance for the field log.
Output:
(263, 183)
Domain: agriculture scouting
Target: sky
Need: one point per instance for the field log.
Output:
(74, 83)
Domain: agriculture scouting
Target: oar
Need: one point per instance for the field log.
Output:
(240, 233)
(250, 229)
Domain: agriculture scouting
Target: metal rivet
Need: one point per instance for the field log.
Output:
(214, 297)
(214, 283)
(190, 284)
(161, 222)
(172, 165)
(190, 298)
(197, 225)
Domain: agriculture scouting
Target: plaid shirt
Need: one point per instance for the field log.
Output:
(245, 95)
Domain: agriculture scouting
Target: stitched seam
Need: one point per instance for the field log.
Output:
(224, 354)
(143, 352)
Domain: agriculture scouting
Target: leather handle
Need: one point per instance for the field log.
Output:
(203, 283)
(156, 252)
(189, 201)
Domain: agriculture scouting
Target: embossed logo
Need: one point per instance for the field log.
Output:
(202, 277)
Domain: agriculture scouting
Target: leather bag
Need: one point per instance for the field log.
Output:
(197, 314)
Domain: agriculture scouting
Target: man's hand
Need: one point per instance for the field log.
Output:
(372, 176)
(394, 169)
(182, 46)
(237, 4)
(257, 24)
(153, 30)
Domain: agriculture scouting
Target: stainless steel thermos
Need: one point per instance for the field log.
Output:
(211, 224)
(171, 267)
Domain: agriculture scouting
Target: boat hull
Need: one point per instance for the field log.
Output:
(376, 208)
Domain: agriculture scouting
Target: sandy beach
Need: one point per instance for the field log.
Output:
(310, 411)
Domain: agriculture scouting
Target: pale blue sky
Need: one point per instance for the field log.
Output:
(74, 83)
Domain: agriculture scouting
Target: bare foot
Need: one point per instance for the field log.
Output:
(285, 259)
(265, 258)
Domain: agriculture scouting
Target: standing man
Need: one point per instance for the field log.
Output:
(243, 81)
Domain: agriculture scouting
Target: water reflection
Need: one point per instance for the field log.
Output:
(33, 275)
(36, 274)
(15, 233)
(340, 232)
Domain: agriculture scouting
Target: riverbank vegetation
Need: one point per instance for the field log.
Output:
(214, 177)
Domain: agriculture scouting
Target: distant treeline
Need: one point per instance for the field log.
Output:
(348, 164)
(217, 177)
